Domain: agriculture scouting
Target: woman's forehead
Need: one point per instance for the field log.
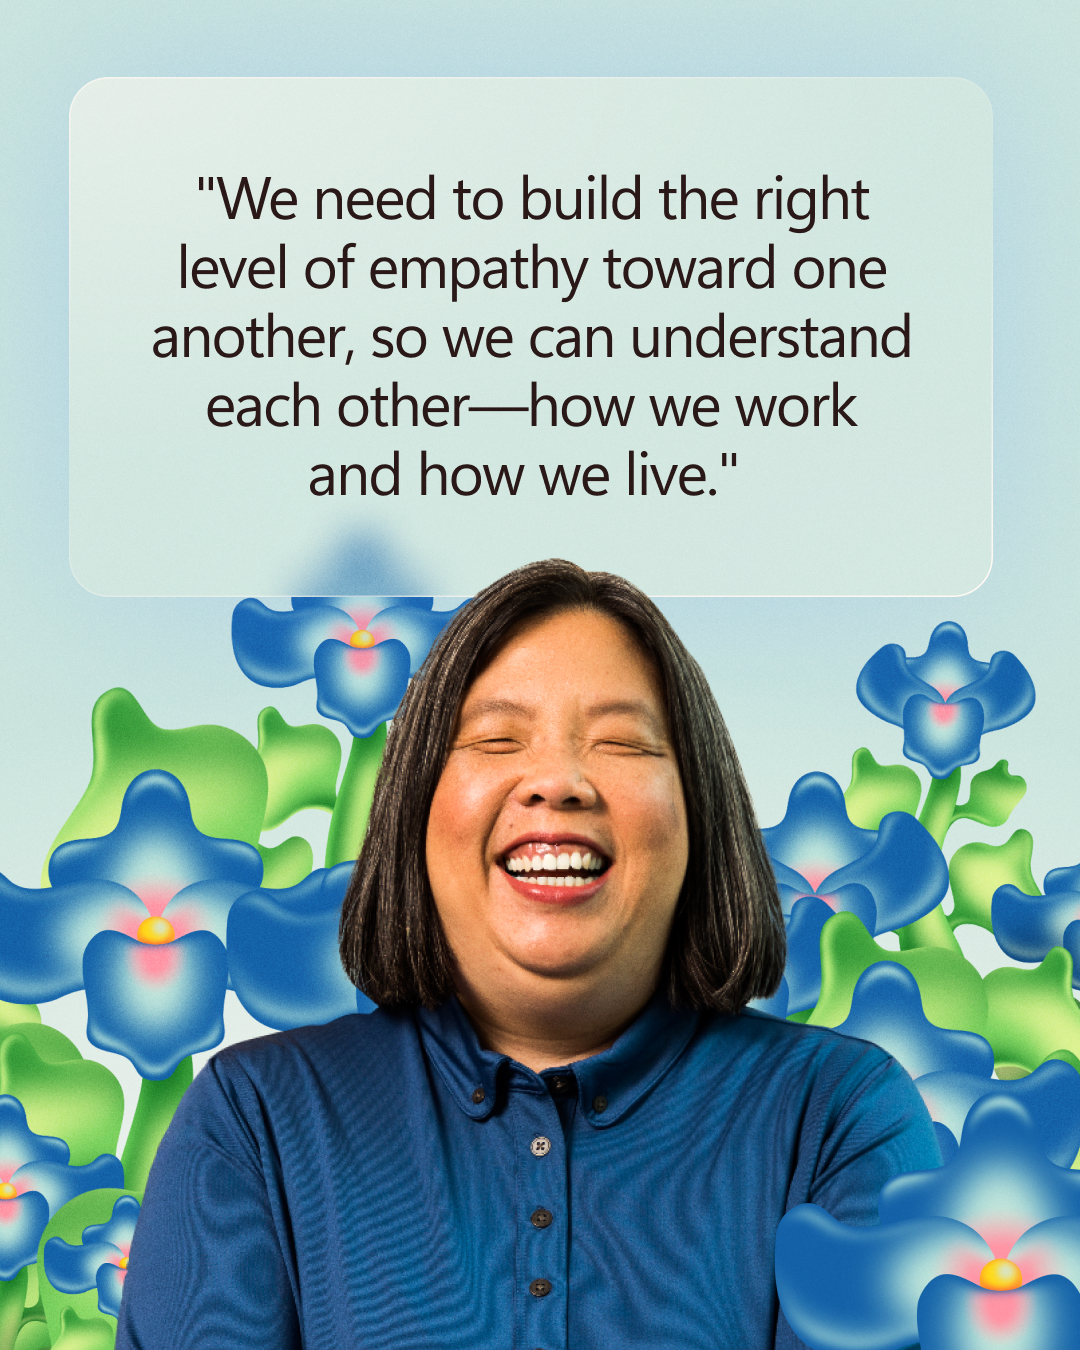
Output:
(583, 656)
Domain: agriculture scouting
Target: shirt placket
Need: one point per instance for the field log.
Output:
(542, 1221)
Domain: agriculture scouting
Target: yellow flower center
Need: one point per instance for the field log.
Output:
(155, 930)
(7, 1191)
(362, 638)
(122, 1263)
(1001, 1274)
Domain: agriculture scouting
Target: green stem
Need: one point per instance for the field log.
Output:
(933, 929)
(349, 821)
(12, 1300)
(158, 1099)
(937, 813)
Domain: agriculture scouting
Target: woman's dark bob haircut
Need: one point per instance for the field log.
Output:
(727, 941)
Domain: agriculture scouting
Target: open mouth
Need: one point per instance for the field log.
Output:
(565, 864)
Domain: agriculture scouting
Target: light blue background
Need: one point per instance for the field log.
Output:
(784, 670)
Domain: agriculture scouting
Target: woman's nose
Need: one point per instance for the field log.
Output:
(556, 779)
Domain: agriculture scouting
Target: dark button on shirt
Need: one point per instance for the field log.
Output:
(291, 1206)
(541, 1218)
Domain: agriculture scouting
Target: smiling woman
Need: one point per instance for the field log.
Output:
(562, 1127)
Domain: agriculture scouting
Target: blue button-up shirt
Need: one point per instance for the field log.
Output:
(384, 1182)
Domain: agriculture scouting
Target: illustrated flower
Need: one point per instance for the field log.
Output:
(1027, 926)
(886, 1008)
(283, 952)
(35, 1181)
(100, 1261)
(360, 650)
(984, 1251)
(1050, 1095)
(945, 699)
(137, 918)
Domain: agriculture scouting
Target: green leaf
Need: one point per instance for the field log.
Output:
(74, 1099)
(302, 766)
(977, 870)
(91, 1333)
(1066, 1057)
(221, 771)
(951, 989)
(33, 1336)
(68, 1223)
(287, 863)
(11, 1014)
(992, 796)
(876, 789)
(1032, 1013)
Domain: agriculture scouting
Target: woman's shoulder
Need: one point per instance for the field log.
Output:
(247, 1086)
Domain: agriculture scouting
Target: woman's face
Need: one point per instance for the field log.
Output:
(557, 839)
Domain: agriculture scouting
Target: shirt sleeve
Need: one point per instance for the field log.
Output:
(880, 1129)
(208, 1269)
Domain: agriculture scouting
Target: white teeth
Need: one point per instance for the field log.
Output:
(557, 862)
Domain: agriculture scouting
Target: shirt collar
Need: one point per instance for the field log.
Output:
(608, 1083)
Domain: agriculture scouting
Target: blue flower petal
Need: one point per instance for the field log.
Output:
(155, 1004)
(361, 686)
(119, 1228)
(1027, 926)
(204, 905)
(886, 1008)
(110, 1287)
(155, 849)
(853, 899)
(803, 969)
(73, 1269)
(816, 838)
(46, 931)
(361, 609)
(22, 1222)
(942, 736)
(417, 628)
(886, 683)
(947, 665)
(904, 870)
(20, 1145)
(1000, 1183)
(1005, 692)
(1051, 1096)
(955, 1314)
(277, 647)
(283, 952)
(1049, 1248)
(59, 1183)
(843, 1287)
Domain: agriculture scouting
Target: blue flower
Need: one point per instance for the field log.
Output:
(35, 1181)
(360, 651)
(886, 1008)
(1027, 926)
(100, 1261)
(982, 1251)
(887, 877)
(283, 952)
(945, 699)
(1050, 1095)
(138, 918)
